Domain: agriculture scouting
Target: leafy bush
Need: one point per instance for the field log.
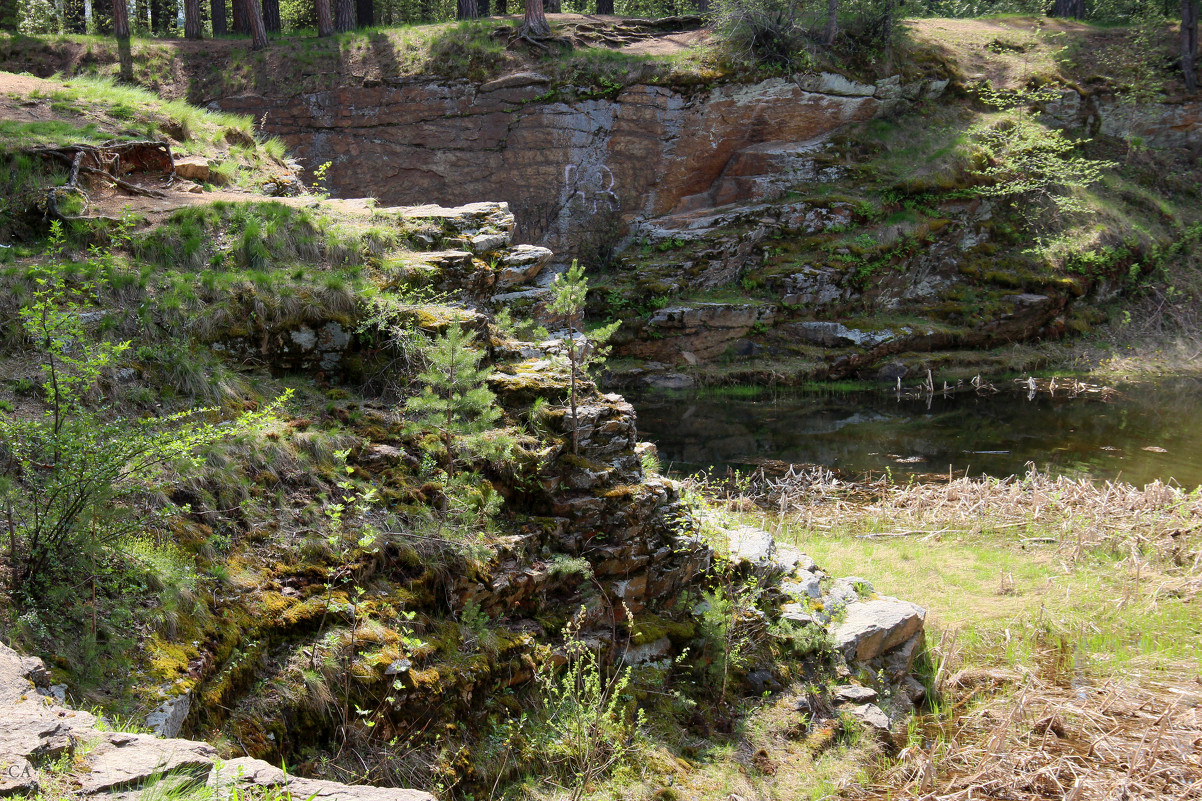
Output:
(585, 727)
(76, 475)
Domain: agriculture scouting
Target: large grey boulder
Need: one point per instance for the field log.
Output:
(873, 627)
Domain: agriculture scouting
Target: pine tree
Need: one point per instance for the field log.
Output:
(456, 402)
(569, 292)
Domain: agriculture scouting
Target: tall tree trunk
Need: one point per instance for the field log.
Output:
(1189, 44)
(534, 23)
(271, 15)
(254, 17)
(217, 13)
(832, 21)
(121, 31)
(325, 18)
(241, 23)
(551, 6)
(466, 9)
(192, 26)
(605, 6)
(482, 8)
(365, 13)
(344, 15)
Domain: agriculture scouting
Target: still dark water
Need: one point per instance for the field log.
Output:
(1145, 432)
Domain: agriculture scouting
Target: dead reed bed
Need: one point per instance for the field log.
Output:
(1158, 521)
(1114, 742)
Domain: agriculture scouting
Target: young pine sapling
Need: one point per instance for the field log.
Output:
(583, 349)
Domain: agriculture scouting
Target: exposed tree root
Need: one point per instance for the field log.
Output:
(107, 162)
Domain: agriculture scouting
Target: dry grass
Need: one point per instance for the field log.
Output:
(1116, 741)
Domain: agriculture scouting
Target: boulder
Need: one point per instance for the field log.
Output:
(168, 719)
(873, 627)
(853, 694)
(872, 716)
(193, 168)
(750, 544)
(126, 760)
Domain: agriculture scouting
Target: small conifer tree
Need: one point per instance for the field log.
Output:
(456, 402)
(569, 292)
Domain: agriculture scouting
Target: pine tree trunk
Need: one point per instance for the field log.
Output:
(365, 13)
(121, 30)
(258, 31)
(271, 15)
(551, 6)
(1189, 44)
(466, 9)
(120, 19)
(217, 14)
(344, 15)
(482, 8)
(534, 24)
(192, 27)
(325, 18)
(605, 6)
(241, 23)
(832, 22)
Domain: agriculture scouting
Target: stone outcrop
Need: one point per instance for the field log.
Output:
(35, 728)
(570, 166)
(466, 252)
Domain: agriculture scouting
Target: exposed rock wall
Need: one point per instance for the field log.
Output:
(569, 166)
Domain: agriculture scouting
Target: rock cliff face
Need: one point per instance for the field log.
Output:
(570, 166)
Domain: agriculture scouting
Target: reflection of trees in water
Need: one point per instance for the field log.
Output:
(867, 431)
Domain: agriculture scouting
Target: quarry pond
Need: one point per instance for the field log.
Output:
(1136, 433)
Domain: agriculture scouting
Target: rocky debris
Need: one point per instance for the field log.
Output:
(752, 545)
(35, 728)
(873, 627)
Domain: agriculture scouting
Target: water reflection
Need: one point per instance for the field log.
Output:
(1143, 433)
